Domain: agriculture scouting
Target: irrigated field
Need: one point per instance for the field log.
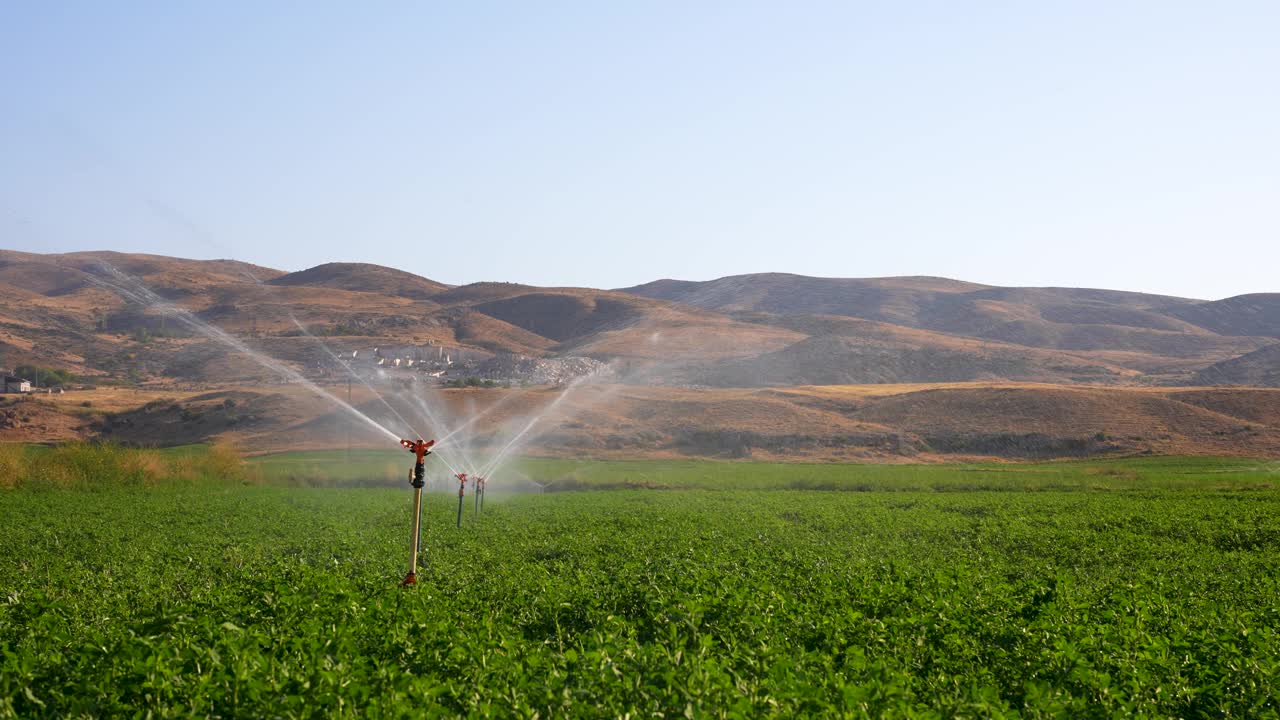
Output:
(1137, 591)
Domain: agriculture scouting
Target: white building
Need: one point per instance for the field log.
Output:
(16, 384)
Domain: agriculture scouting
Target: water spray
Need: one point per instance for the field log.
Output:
(496, 461)
(133, 289)
(421, 449)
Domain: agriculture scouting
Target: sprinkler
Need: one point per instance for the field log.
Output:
(421, 449)
(462, 489)
(477, 483)
(480, 494)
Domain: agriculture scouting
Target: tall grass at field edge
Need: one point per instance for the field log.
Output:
(87, 466)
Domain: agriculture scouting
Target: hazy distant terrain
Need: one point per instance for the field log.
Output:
(1042, 354)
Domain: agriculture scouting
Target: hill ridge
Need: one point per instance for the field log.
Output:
(773, 328)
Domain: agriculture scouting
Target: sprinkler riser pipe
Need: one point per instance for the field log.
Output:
(462, 490)
(417, 534)
(421, 449)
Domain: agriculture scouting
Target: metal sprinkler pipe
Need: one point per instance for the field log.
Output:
(462, 489)
(421, 449)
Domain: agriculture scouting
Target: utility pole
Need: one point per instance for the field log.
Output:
(349, 422)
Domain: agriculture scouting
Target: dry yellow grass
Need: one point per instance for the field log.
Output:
(12, 459)
(90, 466)
(115, 399)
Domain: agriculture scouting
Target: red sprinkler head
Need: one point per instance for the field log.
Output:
(421, 448)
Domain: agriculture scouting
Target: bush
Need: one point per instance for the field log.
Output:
(471, 381)
(46, 377)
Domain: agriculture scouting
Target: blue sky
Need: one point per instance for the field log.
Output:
(1131, 145)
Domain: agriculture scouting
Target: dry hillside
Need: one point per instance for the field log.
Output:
(86, 312)
(1260, 368)
(363, 277)
(705, 366)
(896, 423)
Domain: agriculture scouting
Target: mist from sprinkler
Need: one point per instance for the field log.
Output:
(500, 457)
(352, 373)
(476, 417)
(435, 420)
(133, 289)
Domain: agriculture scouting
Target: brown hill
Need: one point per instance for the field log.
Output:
(844, 360)
(606, 324)
(1039, 317)
(476, 328)
(40, 278)
(896, 300)
(563, 316)
(1155, 335)
(366, 278)
(94, 313)
(1260, 368)
(1257, 314)
(481, 292)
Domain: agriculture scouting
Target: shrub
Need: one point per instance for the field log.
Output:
(223, 461)
(46, 377)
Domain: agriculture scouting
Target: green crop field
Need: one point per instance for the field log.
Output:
(388, 468)
(1144, 587)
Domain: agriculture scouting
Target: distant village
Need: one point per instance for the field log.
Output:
(454, 367)
(18, 381)
(457, 366)
(15, 384)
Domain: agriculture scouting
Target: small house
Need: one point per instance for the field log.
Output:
(16, 384)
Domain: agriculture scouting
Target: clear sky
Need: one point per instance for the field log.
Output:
(1124, 144)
